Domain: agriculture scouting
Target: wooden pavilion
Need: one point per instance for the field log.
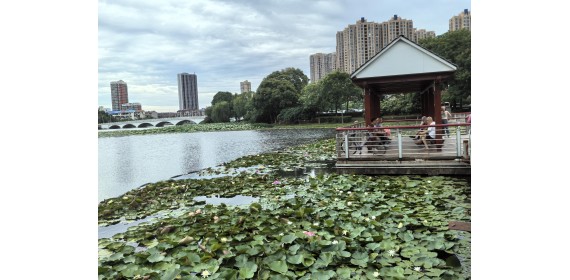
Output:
(403, 67)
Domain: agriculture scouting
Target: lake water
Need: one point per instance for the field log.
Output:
(129, 162)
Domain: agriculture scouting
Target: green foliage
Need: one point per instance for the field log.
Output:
(336, 89)
(456, 47)
(401, 104)
(293, 75)
(241, 104)
(222, 96)
(104, 117)
(277, 91)
(293, 115)
(221, 112)
(311, 99)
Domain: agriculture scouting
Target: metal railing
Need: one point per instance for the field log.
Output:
(452, 141)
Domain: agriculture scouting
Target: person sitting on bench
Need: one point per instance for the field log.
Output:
(427, 135)
(383, 134)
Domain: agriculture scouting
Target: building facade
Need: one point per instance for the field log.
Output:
(131, 106)
(187, 92)
(321, 64)
(359, 42)
(119, 94)
(460, 21)
(245, 86)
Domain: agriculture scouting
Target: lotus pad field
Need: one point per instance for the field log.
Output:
(324, 226)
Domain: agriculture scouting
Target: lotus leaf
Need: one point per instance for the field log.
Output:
(247, 270)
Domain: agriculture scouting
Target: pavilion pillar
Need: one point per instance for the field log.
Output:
(367, 105)
(437, 115)
(375, 105)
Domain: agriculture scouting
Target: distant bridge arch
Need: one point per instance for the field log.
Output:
(152, 122)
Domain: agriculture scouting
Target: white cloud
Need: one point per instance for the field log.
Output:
(147, 43)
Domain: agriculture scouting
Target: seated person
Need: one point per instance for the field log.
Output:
(427, 134)
(381, 132)
(371, 137)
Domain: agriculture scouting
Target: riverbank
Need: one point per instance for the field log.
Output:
(302, 226)
(214, 127)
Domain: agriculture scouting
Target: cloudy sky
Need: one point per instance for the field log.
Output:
(147, 43)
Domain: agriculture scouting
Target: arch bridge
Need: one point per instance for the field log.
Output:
(152, 123)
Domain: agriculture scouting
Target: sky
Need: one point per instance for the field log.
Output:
(147, 43)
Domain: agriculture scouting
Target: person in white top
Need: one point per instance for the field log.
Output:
(429, 134)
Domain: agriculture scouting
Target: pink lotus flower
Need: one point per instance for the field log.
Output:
(309, 233)
(276, 182)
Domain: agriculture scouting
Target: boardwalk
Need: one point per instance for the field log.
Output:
(366, 158)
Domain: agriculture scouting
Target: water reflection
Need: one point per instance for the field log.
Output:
(128, 162)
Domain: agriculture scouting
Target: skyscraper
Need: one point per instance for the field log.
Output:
(245, 86)
(119, 94)
(460, 21)
(321, 65)
(187, 92)
(359, 42)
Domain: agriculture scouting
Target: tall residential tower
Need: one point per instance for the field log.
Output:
(359, 42)
(321, 65)
(460, 21)
(245, 86)
(188, 92)
(119, 94)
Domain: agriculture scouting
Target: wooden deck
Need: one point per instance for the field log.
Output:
(415, 159)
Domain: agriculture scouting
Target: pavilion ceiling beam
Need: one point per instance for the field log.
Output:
(427, 88)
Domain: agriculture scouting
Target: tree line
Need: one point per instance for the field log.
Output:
(285, 96)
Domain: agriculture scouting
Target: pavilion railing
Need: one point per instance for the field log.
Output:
(453, 141)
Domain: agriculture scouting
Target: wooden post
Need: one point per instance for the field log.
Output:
(437, 115)
(367, 105)
(466, 149)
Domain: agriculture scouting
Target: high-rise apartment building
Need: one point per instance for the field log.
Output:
(460, 21)
(359, 42)
(245, 86)
(188, 92)
(422, 34)
(119, 94)
(321, 65)
(395, 27)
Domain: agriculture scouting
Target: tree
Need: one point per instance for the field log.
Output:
(400, 104)
(337, 88)
(221, 112)
(219, 97)
(104, 117)
(240, 104)
(278, 91)
(222, 96)
(293, 75)
(273, 95)
(454, 46)
(311, 99)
